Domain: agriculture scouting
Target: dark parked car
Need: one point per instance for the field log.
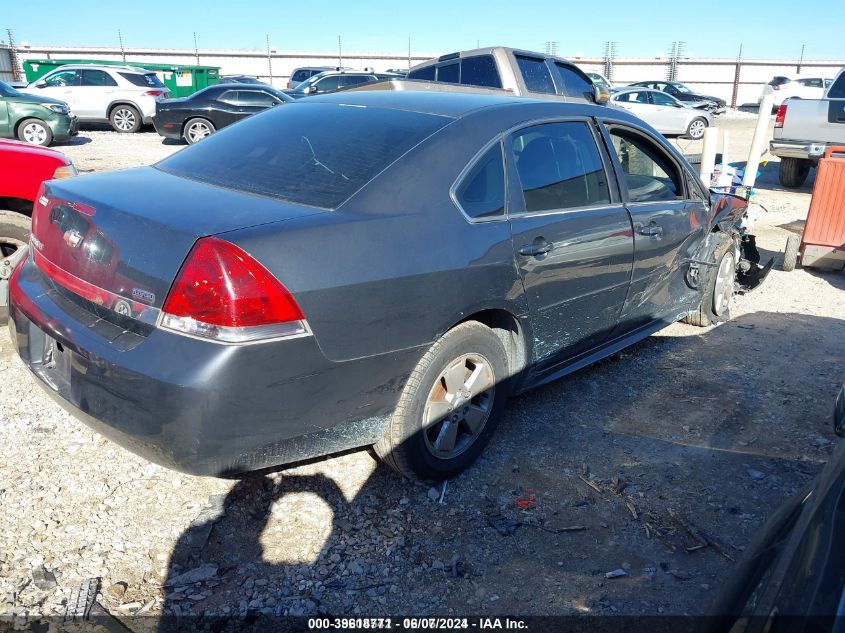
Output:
(792, 577)
(240, 79)
(683, 93)
(331, 80)
(363, 268)
(208, 110)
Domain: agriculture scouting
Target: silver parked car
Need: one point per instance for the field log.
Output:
(663, 112)
(124, 96)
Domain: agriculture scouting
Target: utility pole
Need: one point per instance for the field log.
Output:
(196, 49)
(800, 61)
(736, 77)
(609, 56)
(120, 39)
(13, 55)
(339, 52)
(677, 53)
(269, 60)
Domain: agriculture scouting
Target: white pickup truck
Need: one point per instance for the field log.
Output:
(805, 128)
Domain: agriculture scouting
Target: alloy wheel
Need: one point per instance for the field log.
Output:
(124, 119)
(34, 133)
(458, 406)
(723, 290)
(8, 247)
(198, 131)
(696, 129)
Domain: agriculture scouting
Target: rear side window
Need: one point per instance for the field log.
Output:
(147, 80)
(317, 154)
(577, 85)
(480, 71)
(230, 97)
(96, 78)
(639, 96)
(560, 167)
(255, 98)
(536, 74)
(649, 172)
(482, 192)
(426, 73)
(450, 73)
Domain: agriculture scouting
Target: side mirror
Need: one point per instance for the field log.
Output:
(600, 96)
(839, 413)
(40, 83)
(310, 90)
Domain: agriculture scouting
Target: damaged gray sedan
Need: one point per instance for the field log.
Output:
(364, 269)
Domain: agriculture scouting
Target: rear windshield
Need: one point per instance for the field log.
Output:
(316, 154)
(148, 80)
(301, 75)
(779, 81)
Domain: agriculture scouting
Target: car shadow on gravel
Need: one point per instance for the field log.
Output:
(657, 464)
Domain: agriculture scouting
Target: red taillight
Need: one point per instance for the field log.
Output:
(288, 85)
(153, 93)
(780, 116)
(222, 293)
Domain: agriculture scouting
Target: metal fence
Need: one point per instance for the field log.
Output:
(737, 81)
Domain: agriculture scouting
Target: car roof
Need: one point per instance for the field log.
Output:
(455, 104)
(234, 85)
(127, 68)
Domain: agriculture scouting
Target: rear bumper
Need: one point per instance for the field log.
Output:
(194, 406)
(167, 127)
(798, 149)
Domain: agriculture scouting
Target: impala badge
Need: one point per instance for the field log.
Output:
(143, 295)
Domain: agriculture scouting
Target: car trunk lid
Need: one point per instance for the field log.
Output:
(118, 239)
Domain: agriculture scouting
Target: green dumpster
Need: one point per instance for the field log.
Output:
(181, 79)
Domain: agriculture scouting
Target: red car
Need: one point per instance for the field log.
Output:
(23, 167)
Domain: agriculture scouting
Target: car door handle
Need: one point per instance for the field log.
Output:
(535, 248)
(652, 229)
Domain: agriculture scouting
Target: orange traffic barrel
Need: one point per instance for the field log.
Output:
(823, 242)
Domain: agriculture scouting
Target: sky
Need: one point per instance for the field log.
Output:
(773, 29)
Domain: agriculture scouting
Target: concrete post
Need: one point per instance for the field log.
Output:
(708, 155)
(761, 133)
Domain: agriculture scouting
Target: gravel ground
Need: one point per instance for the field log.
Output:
(706, 428)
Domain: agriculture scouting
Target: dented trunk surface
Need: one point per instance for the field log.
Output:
(85, 233)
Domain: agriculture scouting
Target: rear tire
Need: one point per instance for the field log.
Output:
(125, 119)
(790, 253)
(14, 234)
(446, 415)
(721, 284)
(197, 129)
(793, 172)
(35, 131)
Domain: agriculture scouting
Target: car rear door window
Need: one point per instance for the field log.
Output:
(318, 155)
(535, 74)
(96, 78)
(481, 194)
(637, 96)
(576, 85)
(560, 167)
(650, 173)
(427, 73)
(450, 73)
(480, 71)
